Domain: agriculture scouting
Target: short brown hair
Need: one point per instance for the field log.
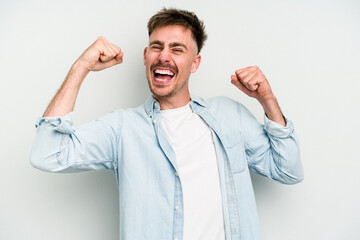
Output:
(189, 20)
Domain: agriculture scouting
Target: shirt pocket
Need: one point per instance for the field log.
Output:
(235, 152)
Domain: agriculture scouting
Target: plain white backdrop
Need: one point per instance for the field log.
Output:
(309, 51)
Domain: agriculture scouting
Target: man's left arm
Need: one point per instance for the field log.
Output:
(273, 149)
(253, 82)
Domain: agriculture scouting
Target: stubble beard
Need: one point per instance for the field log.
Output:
(159, 93)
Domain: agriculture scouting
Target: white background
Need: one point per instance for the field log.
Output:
(309, 51)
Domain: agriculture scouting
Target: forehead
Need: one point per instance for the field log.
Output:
(173, 33)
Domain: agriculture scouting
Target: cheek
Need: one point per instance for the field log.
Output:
(185, 65)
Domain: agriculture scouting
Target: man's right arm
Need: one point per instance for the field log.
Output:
(61, 147)
(100, 55)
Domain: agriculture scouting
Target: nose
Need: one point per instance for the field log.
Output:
(164, 56)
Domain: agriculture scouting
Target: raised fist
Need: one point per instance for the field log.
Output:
(252, 82)
(100, 55)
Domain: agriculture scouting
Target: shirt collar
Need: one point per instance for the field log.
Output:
(199, 101)
(151, 104)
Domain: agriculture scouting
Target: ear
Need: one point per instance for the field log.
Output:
(145, 51)
(196, 63)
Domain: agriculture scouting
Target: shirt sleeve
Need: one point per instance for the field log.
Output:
(60, 146)
(271, 149)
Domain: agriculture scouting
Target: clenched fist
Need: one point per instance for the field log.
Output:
(100, 55)
(253, 82)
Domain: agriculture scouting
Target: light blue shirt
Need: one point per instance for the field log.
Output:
(135, 147)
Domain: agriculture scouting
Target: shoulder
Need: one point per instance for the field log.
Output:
(222, 100)
(136, 115)
(117, 116)
(222, 104)
(226, 109)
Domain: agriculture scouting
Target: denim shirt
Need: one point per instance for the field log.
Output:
(135, 147)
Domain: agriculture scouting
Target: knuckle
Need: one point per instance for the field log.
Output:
(101, 40)
(242, 75)
(252, 68)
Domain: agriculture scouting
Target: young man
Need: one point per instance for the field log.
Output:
(181, 162)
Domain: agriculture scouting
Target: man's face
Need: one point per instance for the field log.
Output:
(169, 59)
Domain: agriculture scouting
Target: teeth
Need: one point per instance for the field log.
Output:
(164, 71)
(160, 80)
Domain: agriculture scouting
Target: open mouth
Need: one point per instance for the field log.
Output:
(163, 75)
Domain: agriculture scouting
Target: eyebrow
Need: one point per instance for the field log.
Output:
(173, 44)
(156, 42)
(177, 44)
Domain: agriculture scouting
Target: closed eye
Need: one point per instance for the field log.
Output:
(178, 50)
(155, 47)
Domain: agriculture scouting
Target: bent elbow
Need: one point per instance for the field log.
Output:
(40, 162)
(43, 159)
(292, 178)
(296, 180)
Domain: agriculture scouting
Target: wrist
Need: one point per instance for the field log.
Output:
(273, 111)
(268, 102)
(80, 67)
(77, 73)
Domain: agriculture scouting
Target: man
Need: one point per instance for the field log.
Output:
(181, 161)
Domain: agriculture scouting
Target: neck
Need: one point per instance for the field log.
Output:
(172, 102)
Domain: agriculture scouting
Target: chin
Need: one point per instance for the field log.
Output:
(161, 93)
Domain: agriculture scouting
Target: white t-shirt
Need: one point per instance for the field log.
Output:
(191, 139)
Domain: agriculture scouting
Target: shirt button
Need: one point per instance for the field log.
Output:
(154, 120)
(177, 207)
(176, 174)
(155, 104)
(46, 120)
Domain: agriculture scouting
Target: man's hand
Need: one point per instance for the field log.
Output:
(253, 82)
(100, 55)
